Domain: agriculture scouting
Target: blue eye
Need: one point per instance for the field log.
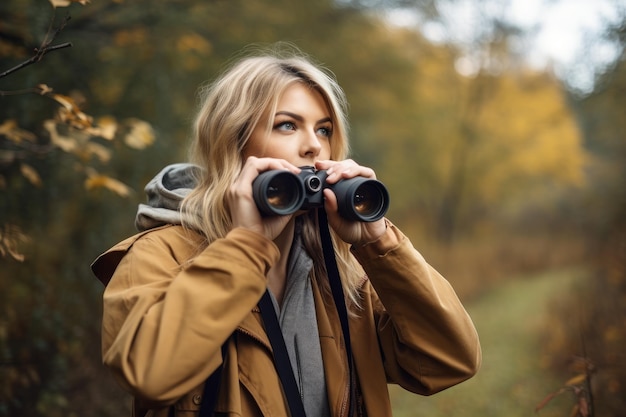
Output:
(325, 131)
(285, 126)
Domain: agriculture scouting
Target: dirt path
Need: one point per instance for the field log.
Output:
(511, 381)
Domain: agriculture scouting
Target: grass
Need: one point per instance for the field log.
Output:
(512, 380)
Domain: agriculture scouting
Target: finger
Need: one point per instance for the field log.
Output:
(334, 169)
(348, 169)
(325, 164)
(258, 165)
(330, 201)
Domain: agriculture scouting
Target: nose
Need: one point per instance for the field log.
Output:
(311, 145)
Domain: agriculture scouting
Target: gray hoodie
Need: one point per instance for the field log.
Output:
(165, 192)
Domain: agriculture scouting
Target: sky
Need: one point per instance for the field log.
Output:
(563, 34)
(569, 33)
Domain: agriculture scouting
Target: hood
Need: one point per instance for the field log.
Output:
(165, 192)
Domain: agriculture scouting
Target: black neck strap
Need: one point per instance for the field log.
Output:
(340, 301)
(281, 356)
(272, 327)
(211, 389)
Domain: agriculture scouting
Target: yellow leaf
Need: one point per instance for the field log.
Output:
(65, 3)
(192, 42)
(141, 134)
(70, 113)
(66, 143)
(612, 334)
(10, 238)
(44, 89)
(577, 380)
(133, 36)
(31, 174)
(106, 127)
(63, 100)
(11, 131)
(99, 151)
(102, 181)
(60, 3)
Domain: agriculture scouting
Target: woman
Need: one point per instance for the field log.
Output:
(178, 293)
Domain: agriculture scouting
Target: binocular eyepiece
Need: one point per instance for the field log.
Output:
(279, 192)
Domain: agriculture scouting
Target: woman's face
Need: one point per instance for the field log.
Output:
(301, 128)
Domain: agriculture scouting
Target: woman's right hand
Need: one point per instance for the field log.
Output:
(243, 209)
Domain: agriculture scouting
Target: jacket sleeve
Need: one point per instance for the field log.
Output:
(165, 318)
(427, 339)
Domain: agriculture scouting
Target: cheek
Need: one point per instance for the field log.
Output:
(325, 152)
(250, 150)
(281, 150)
(270, 149)
(256, 146)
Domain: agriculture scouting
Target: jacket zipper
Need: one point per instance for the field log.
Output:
(344, 403)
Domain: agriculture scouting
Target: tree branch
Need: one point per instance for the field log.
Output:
(44, 48)
(36, 58)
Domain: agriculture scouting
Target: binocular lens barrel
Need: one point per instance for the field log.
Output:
(278, 193)
(361, 199)
(282, 192)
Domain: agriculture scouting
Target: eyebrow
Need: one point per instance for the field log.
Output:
(300, 118)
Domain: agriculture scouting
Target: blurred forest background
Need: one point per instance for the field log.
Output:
(508, 177)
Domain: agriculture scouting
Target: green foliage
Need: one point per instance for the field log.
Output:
(50, 304)
(462, 156)
(591, 322)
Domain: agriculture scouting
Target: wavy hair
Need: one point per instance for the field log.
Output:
(230, 109)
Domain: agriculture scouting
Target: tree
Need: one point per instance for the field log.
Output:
(44, 360)
(454, 148)
(71, 131)
(596, 332)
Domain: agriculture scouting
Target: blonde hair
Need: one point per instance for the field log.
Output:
(231, 108)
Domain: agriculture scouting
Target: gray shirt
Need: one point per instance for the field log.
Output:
(299, 327)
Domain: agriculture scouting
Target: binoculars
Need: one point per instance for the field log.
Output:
(279, 192)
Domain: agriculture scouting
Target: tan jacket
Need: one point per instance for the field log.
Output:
(169, 306)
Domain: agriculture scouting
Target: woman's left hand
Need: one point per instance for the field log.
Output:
(354, 232)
